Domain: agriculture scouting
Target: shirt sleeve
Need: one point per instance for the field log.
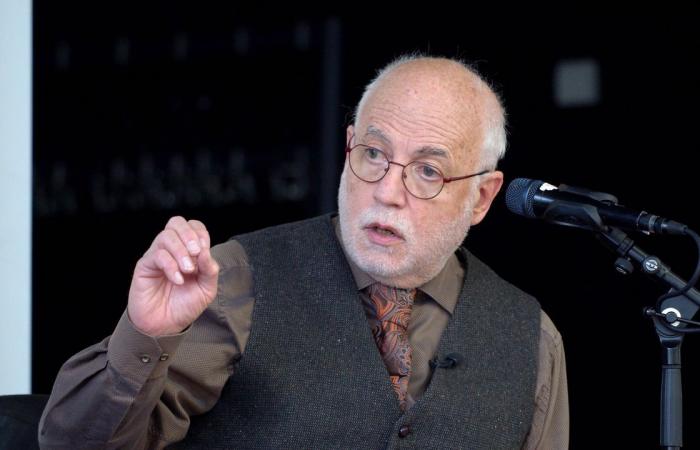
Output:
(550, 424)
(136, 391)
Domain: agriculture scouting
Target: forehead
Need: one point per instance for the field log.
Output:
(418, 127)
(424, 108)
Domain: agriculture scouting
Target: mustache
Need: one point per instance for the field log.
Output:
(389, 217)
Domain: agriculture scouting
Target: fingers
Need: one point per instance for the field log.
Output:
(186, 241)
(201, 231)
(208, 267)
(169, 240)
(164, 261)
(205, 262)
(187, 234)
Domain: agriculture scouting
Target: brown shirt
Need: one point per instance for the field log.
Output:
(136, 391)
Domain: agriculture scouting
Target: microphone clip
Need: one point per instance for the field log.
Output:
(575, 214)
(602, 197)
(450, 361)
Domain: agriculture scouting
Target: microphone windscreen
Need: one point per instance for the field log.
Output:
(520, 195)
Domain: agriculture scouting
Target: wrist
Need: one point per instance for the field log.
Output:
(154, 331)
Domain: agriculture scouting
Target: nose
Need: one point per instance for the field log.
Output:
(390, 190)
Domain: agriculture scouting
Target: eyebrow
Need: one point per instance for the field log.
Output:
(376, 132)
(432, 151)
(426, 150)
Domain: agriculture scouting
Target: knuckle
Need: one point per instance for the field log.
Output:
(175, 221)
(189, 235)
(144, 260)
(196, 224)
(163, 257)
(170, 238)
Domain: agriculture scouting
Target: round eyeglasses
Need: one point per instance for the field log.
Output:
(421, 179)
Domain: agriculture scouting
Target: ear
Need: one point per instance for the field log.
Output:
(349, 132)
(488, 188)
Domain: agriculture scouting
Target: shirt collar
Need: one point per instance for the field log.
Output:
(444, 288)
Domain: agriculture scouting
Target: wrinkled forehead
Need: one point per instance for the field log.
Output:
(424, 105)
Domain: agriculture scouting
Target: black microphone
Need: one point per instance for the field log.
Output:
(581, 208)
(450, 361)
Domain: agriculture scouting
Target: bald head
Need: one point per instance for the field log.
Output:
(449, 92)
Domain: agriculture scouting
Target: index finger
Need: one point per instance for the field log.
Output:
(186, 233)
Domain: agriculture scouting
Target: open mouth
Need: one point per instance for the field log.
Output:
(384, 230)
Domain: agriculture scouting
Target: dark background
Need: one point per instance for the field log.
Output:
(237, 118)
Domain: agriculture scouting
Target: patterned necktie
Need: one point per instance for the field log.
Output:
(388, 311)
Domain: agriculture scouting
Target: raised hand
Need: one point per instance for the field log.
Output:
(175, 280)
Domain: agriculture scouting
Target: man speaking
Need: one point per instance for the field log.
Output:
(372, 328)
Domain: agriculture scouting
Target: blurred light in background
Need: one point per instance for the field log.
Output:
(576, 83)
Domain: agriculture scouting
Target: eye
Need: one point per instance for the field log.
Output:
(427, 172)
(374, 155)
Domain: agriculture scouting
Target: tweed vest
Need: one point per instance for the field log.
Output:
(311, 375)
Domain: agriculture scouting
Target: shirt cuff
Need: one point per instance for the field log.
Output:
(138, 356)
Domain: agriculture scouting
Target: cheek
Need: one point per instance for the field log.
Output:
(348, 198)
(359, 193)
(442, 214)
(425, 216)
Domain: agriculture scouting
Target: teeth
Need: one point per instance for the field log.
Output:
(383, 231)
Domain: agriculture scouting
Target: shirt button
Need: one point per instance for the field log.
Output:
(404, 431)
(164, 357)
(145, 359)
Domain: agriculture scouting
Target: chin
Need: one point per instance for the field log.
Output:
(394, 270)
(381, 267)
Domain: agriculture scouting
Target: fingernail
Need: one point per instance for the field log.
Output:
(187, 262)
(193, 247)
(178, 278)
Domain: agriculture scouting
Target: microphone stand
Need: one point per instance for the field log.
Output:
(666, 321)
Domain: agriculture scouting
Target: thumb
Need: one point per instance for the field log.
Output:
(208, 268)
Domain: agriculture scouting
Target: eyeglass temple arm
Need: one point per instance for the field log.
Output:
(449, 179)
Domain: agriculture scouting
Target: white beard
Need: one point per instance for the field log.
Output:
(411, 263)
